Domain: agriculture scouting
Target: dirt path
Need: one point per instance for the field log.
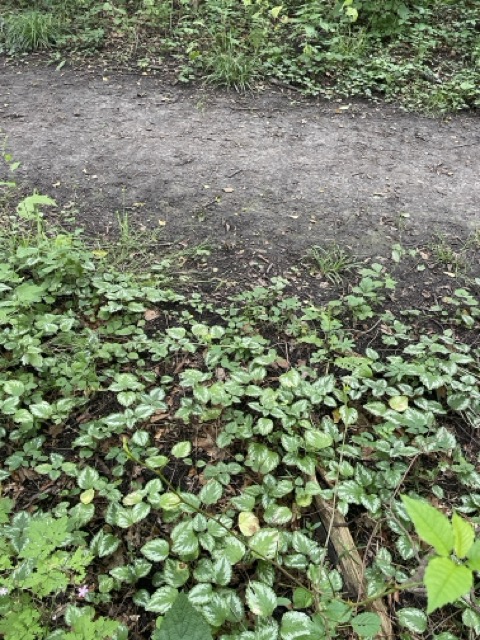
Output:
(267, 171)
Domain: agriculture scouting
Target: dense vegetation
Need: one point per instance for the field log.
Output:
(423, 53)
(276, 467)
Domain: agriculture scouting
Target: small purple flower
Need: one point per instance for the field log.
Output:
(3, 591)
(82, 591)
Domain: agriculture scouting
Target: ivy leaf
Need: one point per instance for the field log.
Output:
(463, 536)
(366, 625)
(211, 492)
(413, 619)
(265, 543)
(155, 550)
(183, 621)
(261, 599)
(446, 582)
(431, 525)
(248, 523)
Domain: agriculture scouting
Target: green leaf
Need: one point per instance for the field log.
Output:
(184, 539)
(366, 625)
(104, 544)
(317, 439)
(183, 622)
(169, 501)
(276, 515)
(222, 571)
(463, 536)
(162, 600)
(156, 550)
(211, 492)
(413, 619)
(296, 626)
(302, 598)
(261, 599)
(473, 556)
(265, 543)
(42, 410)
(182, 449)
(261, 458)
(14, 387)
(446, 582)
(430, 524)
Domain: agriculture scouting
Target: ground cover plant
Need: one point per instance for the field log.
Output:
(425, 53)
(273, 467)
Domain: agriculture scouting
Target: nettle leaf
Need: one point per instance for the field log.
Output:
(156, 550)
(222, 571)
(184, 539)
(302, 598)
(243, 502)
(88, 478)
(261, 459)
(162, 599)
(200, 594)
(290, 380)
(463, 536)
(261, 599)
(211, 492)
(216, 611)
(265, 543)
(169, 501)
(234, 550)
(367, 625)
(126, 398)
(296, 626)
(182, 449)
(183, 622)
(128, 517)
(431, 525)
(413, 619)
(175, 573)
(446, 582)
(317, 440)
(104, 544)
(277, 515)
(14, 388)
(264, 426)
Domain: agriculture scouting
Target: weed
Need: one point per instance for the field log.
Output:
(332, 262)
(30, 30)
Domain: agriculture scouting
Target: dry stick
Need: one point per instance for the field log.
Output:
(349, 559)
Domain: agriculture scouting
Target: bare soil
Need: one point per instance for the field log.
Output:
(266, 172)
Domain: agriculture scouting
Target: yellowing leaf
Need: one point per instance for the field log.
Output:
(398, 403)
(248, 523)
(162, 223)
(87, 496)
(275, 11)
(99, 253)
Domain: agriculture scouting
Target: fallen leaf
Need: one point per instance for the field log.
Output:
(151, 314)
(162, 223)
(228, 189)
